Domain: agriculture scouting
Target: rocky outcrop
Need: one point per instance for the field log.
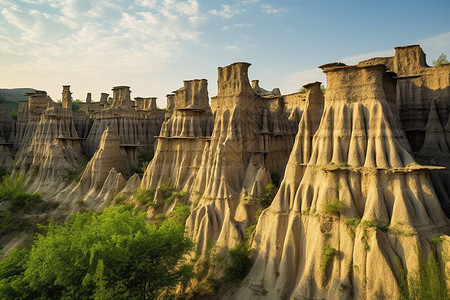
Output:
(55, 147)
(423, 101)
(28, 118)
(348, 210)
(136, 127)
(183, 138)
(248, 143)
(101, 177)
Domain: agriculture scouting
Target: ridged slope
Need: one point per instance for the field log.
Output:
(360, 156)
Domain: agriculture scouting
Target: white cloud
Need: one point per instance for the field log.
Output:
(293, 82)
(269, 9)
(228, 11)
(436, 45)
(239, 25)
(353, 60)
(233, 47)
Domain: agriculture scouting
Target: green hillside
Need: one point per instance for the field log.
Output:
(11, 97)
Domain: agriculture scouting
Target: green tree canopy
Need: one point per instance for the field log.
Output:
(442, 60)
(110, 255)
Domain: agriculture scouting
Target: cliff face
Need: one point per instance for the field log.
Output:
(54, 148)
(183, 138)
(101, 177)
(136, 124)
(423, 101)
(249, 141)
(344, 215)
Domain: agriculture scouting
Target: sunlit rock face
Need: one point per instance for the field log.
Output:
(183, 138)
(361, 158)
(423, 101)
(248, 143)
(55, 146)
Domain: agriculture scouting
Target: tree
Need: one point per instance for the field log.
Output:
(442, 60)
(110, 255)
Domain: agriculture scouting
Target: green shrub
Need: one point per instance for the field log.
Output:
(12, 189)
(428, 282)
(14, 114)
(437, 240)
(239, 262)
(180, 212)
(258, 214)
(249, 232)
(442, 60)
(114, 254)
(269, 194)
(328, 253)
(334, 207)
(145, 197)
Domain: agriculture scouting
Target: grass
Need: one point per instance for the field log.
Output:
(352, 224)
(328, 253)
(437, 240)
(268, 195)
(334, 207)
(428, 282)
(145, 197)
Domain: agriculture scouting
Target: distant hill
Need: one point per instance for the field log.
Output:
(11, 97)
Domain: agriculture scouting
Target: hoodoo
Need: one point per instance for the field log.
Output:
(249, 142)
(345, 218)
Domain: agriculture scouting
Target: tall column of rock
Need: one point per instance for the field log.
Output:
(55, 147)
(28, 118)
(249, 141)
(121, 115)
(341, 230)
(101, 177)
(182, 139)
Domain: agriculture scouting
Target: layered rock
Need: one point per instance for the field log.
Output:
(28, 117)
(350, 205)
(183, 138)
(55, 147)
(248, 143)
(136, 128)
(107, 165)
(423, 100)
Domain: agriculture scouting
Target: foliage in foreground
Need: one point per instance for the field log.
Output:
(110, 255)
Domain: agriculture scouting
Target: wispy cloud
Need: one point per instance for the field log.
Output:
(294, 81)
(239, 25)
(436, 45)
(270, 9)
(228, 11)
(233, 47)
(353, 60)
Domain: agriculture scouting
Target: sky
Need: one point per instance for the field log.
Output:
(153, 45)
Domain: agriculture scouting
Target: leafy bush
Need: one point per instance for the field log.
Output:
(269, 194)
(328, 253)
(239, 262)
(428, 282)
(442, 60)
(334, 207)
(14, 114)
(12, 190)
(110, 255)
(168, 192)
(145, 197)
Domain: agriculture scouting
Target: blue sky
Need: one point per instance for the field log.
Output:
(153, 45)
